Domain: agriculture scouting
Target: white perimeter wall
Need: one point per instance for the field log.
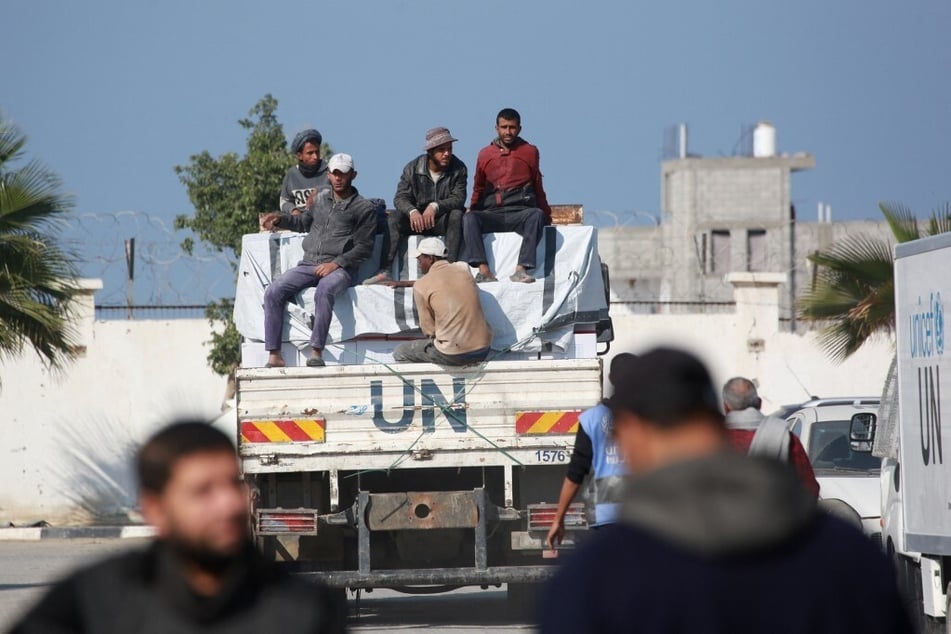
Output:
(66, 442)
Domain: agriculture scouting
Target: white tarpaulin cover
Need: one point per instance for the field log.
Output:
(569, 291)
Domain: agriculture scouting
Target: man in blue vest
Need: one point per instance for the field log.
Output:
(594, 449)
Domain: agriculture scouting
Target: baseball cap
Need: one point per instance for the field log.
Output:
(303, 137)
(663, 386)
(432, 246)
(340, 162)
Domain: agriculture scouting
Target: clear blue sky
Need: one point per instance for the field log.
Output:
(114, 93)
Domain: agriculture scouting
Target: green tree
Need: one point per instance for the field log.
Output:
(36, 275)
(228, 192)
(854, 291)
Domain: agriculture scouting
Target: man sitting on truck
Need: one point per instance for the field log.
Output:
(749, 431)
(308, 176)
(507, 195)
(450, 314)
(341, 225)
(430, 200)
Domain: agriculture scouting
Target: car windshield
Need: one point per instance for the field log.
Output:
(829, 449)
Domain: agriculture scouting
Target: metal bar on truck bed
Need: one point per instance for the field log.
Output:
(481, 553)
(363, 533)
(432, 576)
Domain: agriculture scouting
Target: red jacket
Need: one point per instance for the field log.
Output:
(507, 168)
(798, 459)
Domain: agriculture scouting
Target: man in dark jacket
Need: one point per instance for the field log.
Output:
(507, 195)
(341, 225)
(709, 539)
(202, 574)
(305, 178)
(430, 200)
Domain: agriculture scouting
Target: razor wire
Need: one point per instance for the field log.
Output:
(163, 273)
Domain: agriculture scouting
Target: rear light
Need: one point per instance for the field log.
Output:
(541, 516)
(283, 522)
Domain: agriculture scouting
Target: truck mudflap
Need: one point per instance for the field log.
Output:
(431, 576)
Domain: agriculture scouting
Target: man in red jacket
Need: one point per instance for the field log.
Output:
(507, 195)
(743, 417)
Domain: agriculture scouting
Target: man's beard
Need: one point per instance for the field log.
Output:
(205, 557)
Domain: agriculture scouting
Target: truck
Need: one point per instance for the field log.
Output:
(369, 474)
(909, 431)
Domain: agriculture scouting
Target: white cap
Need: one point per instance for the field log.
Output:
(340, 162)
(431, 246)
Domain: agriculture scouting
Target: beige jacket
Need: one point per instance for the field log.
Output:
(447, 301)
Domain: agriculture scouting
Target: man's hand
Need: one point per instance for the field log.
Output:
(556, 533)
(429, 216)
(399, 283)
(269, 219)
(416, 222)
(297, 211)
(325, 269)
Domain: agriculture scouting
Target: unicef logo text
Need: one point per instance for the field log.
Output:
(926, 328)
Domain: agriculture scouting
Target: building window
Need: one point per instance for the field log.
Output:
(720, 252)
(756, 250)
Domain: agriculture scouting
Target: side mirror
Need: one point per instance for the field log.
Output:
(862, 432)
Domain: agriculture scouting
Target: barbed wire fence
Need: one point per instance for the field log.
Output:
(165, 279)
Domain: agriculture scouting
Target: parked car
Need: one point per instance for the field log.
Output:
(848, 479)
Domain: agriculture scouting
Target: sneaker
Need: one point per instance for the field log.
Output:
(380, 278)
(315, 362)
(482, 279)
(522, 277)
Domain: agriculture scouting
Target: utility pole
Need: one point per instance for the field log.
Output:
(130, 267)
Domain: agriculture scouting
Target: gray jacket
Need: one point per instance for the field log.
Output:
(340, 232)
(296, 187)
(417, 189)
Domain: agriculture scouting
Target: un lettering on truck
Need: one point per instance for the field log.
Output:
(922, 287)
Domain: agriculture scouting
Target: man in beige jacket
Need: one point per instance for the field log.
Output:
(450, 315)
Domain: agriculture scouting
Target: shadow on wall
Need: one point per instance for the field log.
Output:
(94, 471)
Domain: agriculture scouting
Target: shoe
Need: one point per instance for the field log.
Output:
(522, 277)
(482, 279)
(315, 362)
(380, 278)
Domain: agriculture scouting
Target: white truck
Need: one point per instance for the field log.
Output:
(371, 474)
(916, 476)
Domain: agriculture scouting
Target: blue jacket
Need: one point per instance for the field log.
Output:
(605, 462)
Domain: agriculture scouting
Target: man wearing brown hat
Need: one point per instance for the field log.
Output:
(708, 539)
(430, 200)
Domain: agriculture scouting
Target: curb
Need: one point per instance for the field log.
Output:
(36, 533)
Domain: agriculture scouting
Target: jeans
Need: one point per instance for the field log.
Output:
(285, 288)
(425, 351)
(528, 223)
(448, 224)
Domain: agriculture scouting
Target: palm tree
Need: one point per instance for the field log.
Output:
(855, 283)
(36, 276)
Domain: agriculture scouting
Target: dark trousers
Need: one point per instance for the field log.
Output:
(425, 351)
(289, 284)
(528, 223)
(448, 224)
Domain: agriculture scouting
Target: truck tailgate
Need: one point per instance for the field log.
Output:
(414, 415)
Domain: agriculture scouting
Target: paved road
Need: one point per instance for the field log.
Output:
(27, 569)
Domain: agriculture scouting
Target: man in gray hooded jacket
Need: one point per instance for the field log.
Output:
(340, 226)
(709, 539)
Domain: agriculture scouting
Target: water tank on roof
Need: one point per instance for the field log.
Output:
(764, 140)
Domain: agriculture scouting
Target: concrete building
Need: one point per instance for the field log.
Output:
(721, 215)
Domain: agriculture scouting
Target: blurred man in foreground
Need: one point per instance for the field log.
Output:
(202, 573)
(711, 540)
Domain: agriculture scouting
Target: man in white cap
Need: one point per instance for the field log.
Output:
(430, 200)
(340, 226)
(450, 315)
